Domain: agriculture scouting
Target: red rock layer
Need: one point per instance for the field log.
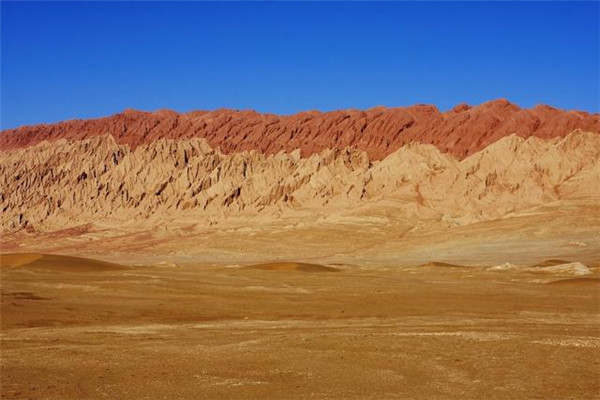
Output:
(379, 131)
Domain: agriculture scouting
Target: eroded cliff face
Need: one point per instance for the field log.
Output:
(379, 132)
(65, 183)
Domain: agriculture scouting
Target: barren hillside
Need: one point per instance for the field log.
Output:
(62, 184)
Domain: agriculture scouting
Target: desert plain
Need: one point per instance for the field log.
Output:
(348, 323)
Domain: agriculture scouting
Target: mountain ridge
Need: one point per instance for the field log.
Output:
(379, 131)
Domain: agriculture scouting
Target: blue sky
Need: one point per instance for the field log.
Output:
(84, 59)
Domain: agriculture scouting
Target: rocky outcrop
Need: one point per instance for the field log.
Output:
(379, 131)
(61, 184)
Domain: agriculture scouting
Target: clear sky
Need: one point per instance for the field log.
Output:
(80, 59)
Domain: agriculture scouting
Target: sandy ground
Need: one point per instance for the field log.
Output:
(289, 332)
(176, 313)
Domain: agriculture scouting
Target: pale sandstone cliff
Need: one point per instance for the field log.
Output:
(62, 184)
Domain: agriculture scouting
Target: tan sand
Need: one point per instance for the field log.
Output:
(190, 331)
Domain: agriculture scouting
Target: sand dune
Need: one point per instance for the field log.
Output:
(56, 263)
(293, 266)
(437, 264)
(18, 259)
